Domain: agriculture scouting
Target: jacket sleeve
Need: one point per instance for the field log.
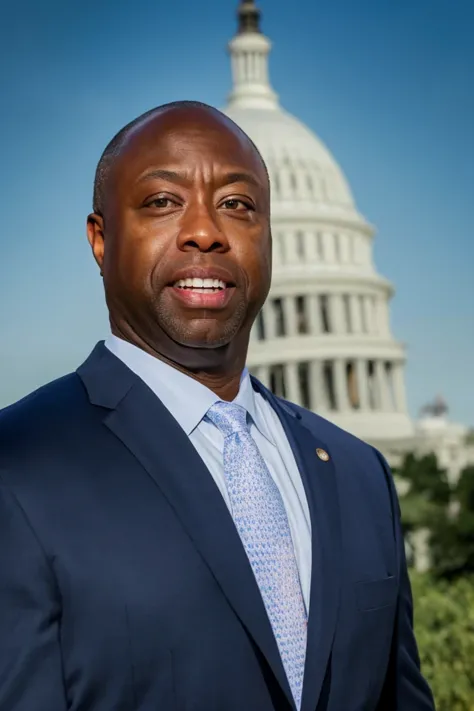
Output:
(405, 688)
(31, 676)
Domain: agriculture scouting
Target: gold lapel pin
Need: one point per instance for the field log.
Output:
(322, 454)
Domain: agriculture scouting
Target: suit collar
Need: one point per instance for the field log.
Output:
(136, 415)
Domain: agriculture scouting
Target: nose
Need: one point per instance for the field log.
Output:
(200, 231)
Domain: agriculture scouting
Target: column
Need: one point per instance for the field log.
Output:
(356, 316)
(340, 383)
(269, 319)
(312, 247)
(382, 386)
(291, 251)
(329, 248)
(382, 316)
(336, 308)
(399, 387)
(289, 308)
(365, 313)
(292, 383)
(363, 383)
(317, 391)
(314, 314)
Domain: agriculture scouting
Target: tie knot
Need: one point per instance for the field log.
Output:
(228, 417)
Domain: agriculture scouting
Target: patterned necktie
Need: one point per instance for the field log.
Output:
(260, 518)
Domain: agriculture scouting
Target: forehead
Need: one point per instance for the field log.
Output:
(191, 139)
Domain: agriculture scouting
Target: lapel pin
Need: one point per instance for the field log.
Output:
(322, 454)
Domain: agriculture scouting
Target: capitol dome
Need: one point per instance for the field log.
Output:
(323, 337)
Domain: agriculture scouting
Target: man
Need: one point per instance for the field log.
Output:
(173, 536)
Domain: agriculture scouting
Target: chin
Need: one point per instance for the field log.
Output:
(202, 340)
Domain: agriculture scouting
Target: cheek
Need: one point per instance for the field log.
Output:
(135, 258)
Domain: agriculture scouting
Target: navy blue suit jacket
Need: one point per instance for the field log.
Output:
(124, 585)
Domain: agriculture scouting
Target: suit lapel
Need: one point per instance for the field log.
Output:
(138, 418)
(319, 480)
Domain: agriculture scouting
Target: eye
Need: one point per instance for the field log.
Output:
(236, 204)
(160, 202)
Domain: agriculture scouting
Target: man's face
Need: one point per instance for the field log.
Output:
(186, 254)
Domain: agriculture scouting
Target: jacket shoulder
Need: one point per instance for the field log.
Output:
(41, 417)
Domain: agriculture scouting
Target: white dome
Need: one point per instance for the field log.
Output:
(300, 166)
(323, 337)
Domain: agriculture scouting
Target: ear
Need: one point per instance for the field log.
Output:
(95, 236)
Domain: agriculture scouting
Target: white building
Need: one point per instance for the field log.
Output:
(323, 338)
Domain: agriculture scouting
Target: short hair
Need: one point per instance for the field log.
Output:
(114, 147)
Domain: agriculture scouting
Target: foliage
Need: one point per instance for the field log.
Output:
(452, 537)
(446, 511)
(444, 627)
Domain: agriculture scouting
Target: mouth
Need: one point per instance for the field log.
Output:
(202, 286)
(206, 292)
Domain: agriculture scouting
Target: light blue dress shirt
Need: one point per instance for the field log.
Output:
(188, 401)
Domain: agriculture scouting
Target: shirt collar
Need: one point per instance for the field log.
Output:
(185, 398)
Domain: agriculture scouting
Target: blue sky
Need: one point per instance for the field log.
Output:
(386, 84)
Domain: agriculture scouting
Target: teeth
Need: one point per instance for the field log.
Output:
(197, 283)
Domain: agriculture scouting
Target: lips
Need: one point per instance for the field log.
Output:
(204, 288)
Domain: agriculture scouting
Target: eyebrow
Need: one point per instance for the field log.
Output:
(171, 175)
(174, 177)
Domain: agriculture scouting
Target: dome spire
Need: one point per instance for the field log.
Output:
(249, 17)
(249, 51)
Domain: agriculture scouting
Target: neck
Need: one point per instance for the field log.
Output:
(219, 369)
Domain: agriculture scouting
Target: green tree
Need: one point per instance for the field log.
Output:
(426, 496)
(444, 627)
(452, 536)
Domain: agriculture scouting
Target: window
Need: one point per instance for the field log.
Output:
(280, 329)
(309, 183)
(328, 379)
(302, 325)
(337, 247)
(277, 380)
(293, 183)
(303, 380)
(324, 308)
